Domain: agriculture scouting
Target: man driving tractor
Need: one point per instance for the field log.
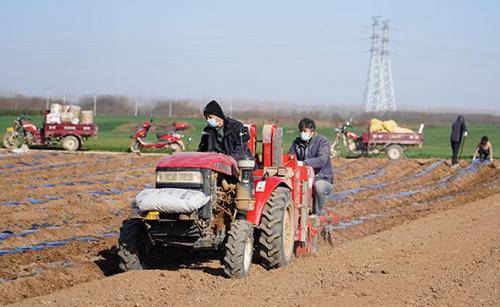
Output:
(223, 134)
(227, 202)
(313, 149)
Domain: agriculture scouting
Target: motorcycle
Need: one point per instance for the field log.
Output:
(172, 140)
(22, 132)
(351, 142)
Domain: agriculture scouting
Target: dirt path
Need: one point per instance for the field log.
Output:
(60, 213)
(452, 257)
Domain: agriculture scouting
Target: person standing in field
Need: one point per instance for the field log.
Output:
(458, 132)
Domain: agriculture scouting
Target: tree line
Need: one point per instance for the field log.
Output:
(259, 112)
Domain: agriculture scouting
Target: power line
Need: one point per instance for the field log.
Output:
(174, 62)
(183, 39)
(141, 50)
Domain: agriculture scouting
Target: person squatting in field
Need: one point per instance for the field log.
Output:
(223, 134)
(313, 149)
(458, 132)
(484, 149)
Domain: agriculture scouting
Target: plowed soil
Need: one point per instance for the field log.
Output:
(61, 214)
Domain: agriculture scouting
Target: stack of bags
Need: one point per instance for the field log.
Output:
(54, 116)
(86, 117)
(387, 126)
(68, 114)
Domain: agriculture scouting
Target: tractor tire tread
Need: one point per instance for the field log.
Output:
(270, 247)
(233, 260)
(131, 245)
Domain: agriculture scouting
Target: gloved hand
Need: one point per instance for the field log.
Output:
(300, 163)
(465, 133)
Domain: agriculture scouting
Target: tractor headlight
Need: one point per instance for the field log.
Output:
(179, 177)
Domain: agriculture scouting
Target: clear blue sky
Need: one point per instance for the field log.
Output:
(446, 52)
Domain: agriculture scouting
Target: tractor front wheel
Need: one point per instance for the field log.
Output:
(132, 245)
(277, 230)
(239, 249)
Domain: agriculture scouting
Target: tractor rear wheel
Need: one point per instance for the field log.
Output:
(277, 235)
(239, 249)
(132, 245)
(71, 143)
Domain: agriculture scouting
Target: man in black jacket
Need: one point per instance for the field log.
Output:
(223, 134)
(313, 149)
(458, 131)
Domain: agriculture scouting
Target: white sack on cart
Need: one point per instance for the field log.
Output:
(170, 200)
(53, 118)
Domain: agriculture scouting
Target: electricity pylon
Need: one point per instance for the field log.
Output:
(379, 92)
(388, 100)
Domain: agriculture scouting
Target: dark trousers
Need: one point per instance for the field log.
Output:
(455, 147)
(483, 154)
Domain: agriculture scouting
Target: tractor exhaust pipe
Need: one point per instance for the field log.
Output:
(245, 199)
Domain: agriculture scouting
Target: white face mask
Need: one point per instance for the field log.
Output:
(305, 136)
(212, 122)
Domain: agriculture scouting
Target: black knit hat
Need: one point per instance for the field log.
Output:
(213, 108)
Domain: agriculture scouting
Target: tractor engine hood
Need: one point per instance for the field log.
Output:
(209, 160)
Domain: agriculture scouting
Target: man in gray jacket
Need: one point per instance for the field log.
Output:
(313, 150)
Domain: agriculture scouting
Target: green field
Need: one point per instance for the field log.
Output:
(114, 133)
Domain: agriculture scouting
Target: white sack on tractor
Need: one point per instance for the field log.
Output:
(170, 200)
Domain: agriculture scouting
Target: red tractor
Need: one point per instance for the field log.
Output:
(208, 201)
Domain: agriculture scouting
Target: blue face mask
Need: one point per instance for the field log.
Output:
(305, 136)
(212, 122)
